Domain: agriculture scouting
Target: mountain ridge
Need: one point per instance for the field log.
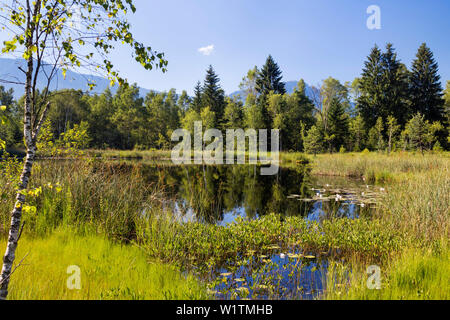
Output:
(9, 70)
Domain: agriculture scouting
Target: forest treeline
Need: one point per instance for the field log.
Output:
(389, 107)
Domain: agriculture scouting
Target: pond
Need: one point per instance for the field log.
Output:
(220, 194)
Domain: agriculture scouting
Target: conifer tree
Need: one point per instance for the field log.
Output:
(383, 88)
(395, 87)
(370, 102)
(196, 104)
(213, 95)
(338, 124)
(270, 78)
(426, 88)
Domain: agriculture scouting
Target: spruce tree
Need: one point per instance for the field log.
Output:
(196, 104)
(395, 87)
(269, 79)
(337, 123)
(213, 95)
(370, 102)
(426, 89)
(383, 88)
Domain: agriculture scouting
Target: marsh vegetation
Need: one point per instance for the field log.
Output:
(302, 234)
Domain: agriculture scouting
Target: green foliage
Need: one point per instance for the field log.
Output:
(233, 114)
(337, 124)
(422, 134)
(270, 79)
(426, 89)
(383, 88)
(213, 96)
(10, 132)
(254, 113)
(358, 133)
(248, 84)
(52, 23)
(299, 109)
(109, 271)
(70, 143)
(392, 130)
(126, 121)
(447, 103)
(376, 139)
(313, 141)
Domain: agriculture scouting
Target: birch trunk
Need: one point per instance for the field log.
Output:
(15, 230)
(30, 135)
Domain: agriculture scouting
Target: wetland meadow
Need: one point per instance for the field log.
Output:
(226, 232)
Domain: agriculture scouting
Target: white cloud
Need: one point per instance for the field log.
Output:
(206, 50)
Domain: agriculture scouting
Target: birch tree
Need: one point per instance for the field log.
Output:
(53, 37)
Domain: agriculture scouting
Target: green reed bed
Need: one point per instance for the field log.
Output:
(415, 206)
(377, 167)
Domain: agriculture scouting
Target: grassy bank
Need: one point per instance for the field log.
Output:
(109, 271)
(155, 155)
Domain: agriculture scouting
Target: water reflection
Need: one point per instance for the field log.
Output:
(220, 194)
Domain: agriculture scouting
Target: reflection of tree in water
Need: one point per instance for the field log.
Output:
(212, 191)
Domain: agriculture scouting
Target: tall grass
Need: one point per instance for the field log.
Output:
(376, 167)
(92, 197)
(108, 271)
(415, 274)
(416, 206)
(91, 202)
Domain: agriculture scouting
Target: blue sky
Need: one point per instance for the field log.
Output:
(310, 39)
